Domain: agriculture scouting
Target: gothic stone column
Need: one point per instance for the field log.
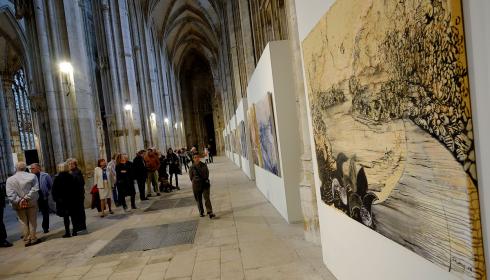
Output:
(307, 184)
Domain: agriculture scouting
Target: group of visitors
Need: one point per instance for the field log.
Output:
(153, 172)
(31, 191)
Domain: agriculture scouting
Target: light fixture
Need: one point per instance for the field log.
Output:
(65, 67)
(166, 120)
(128, 107)
(153, 117)
(175, 125)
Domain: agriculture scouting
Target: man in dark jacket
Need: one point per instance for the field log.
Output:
(79, 217)
(199, 175)
(140, 173)
(3, 232)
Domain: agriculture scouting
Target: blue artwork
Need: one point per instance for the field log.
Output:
(267, 135)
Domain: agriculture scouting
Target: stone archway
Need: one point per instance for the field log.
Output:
(15, 101)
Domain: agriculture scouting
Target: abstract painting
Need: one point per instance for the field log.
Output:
(390, 106)
(254, 136)
(243, 139)
(264, 112)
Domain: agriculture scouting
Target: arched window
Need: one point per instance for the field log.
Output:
(23, 111)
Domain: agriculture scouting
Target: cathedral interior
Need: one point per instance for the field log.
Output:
(89, 79)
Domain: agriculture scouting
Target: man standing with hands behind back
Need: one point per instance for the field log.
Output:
(22, 191)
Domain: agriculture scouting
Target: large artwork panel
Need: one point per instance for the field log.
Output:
(267, 134)
(254, 136)
(392, 123)
(243, 139)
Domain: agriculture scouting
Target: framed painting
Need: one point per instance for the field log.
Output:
(254, 136)
(264, 111)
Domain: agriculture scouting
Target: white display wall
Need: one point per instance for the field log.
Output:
(247, 165)
(353, 251)
(274, 74)
(236, 158)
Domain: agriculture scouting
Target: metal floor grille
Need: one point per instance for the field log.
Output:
(148, 238)
(171, 203)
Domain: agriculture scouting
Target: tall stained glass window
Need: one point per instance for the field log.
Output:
(23, 111)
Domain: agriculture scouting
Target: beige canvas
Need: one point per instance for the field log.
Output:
(254, 136)
(389, 97)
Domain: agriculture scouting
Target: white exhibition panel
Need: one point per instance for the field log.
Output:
(236, 157)
(352, 251)
(247, 167)
(274, 74)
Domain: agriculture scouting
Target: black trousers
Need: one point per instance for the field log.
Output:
(199, 193)
(210, 157)
(141, 188)
(3, 231)
(44, 209)
(78, 219)
(66, 222)
(176, 179)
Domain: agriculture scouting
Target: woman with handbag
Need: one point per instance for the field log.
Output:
(199, 175)
(65, 195)
(102, 180)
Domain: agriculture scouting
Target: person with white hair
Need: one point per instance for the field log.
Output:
(22, 191)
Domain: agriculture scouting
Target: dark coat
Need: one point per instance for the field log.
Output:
(198, 174)
(125, 178)
(66, 194)
(80, 183)
(139, 169)
(3, 195)
(162, 170)
(173, 163)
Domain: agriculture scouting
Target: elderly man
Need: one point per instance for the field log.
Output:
(45, 184)
(22, 191)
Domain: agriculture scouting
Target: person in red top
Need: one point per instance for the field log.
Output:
(152, 163)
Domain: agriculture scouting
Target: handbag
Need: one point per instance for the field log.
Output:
(94, 189)
(206, 182)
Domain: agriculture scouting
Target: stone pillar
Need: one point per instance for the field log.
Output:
(248, 48)
(127, 76)
(307, 184)
(46, 65)
(81, 96)
(6, 161)
(116, 93)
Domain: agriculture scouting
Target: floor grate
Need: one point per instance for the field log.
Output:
(171, 203)
(148, 238)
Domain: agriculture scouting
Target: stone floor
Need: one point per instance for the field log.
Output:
(248, 240)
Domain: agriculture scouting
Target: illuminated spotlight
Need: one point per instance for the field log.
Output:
(166, 120)
(153, 117)
(65, 67)
(128, 107)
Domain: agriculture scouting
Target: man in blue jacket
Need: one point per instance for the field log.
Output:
(45, 184)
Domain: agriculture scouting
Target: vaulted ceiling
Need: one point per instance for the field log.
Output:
(183, 26)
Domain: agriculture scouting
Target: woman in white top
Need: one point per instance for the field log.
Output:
(103, 180)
